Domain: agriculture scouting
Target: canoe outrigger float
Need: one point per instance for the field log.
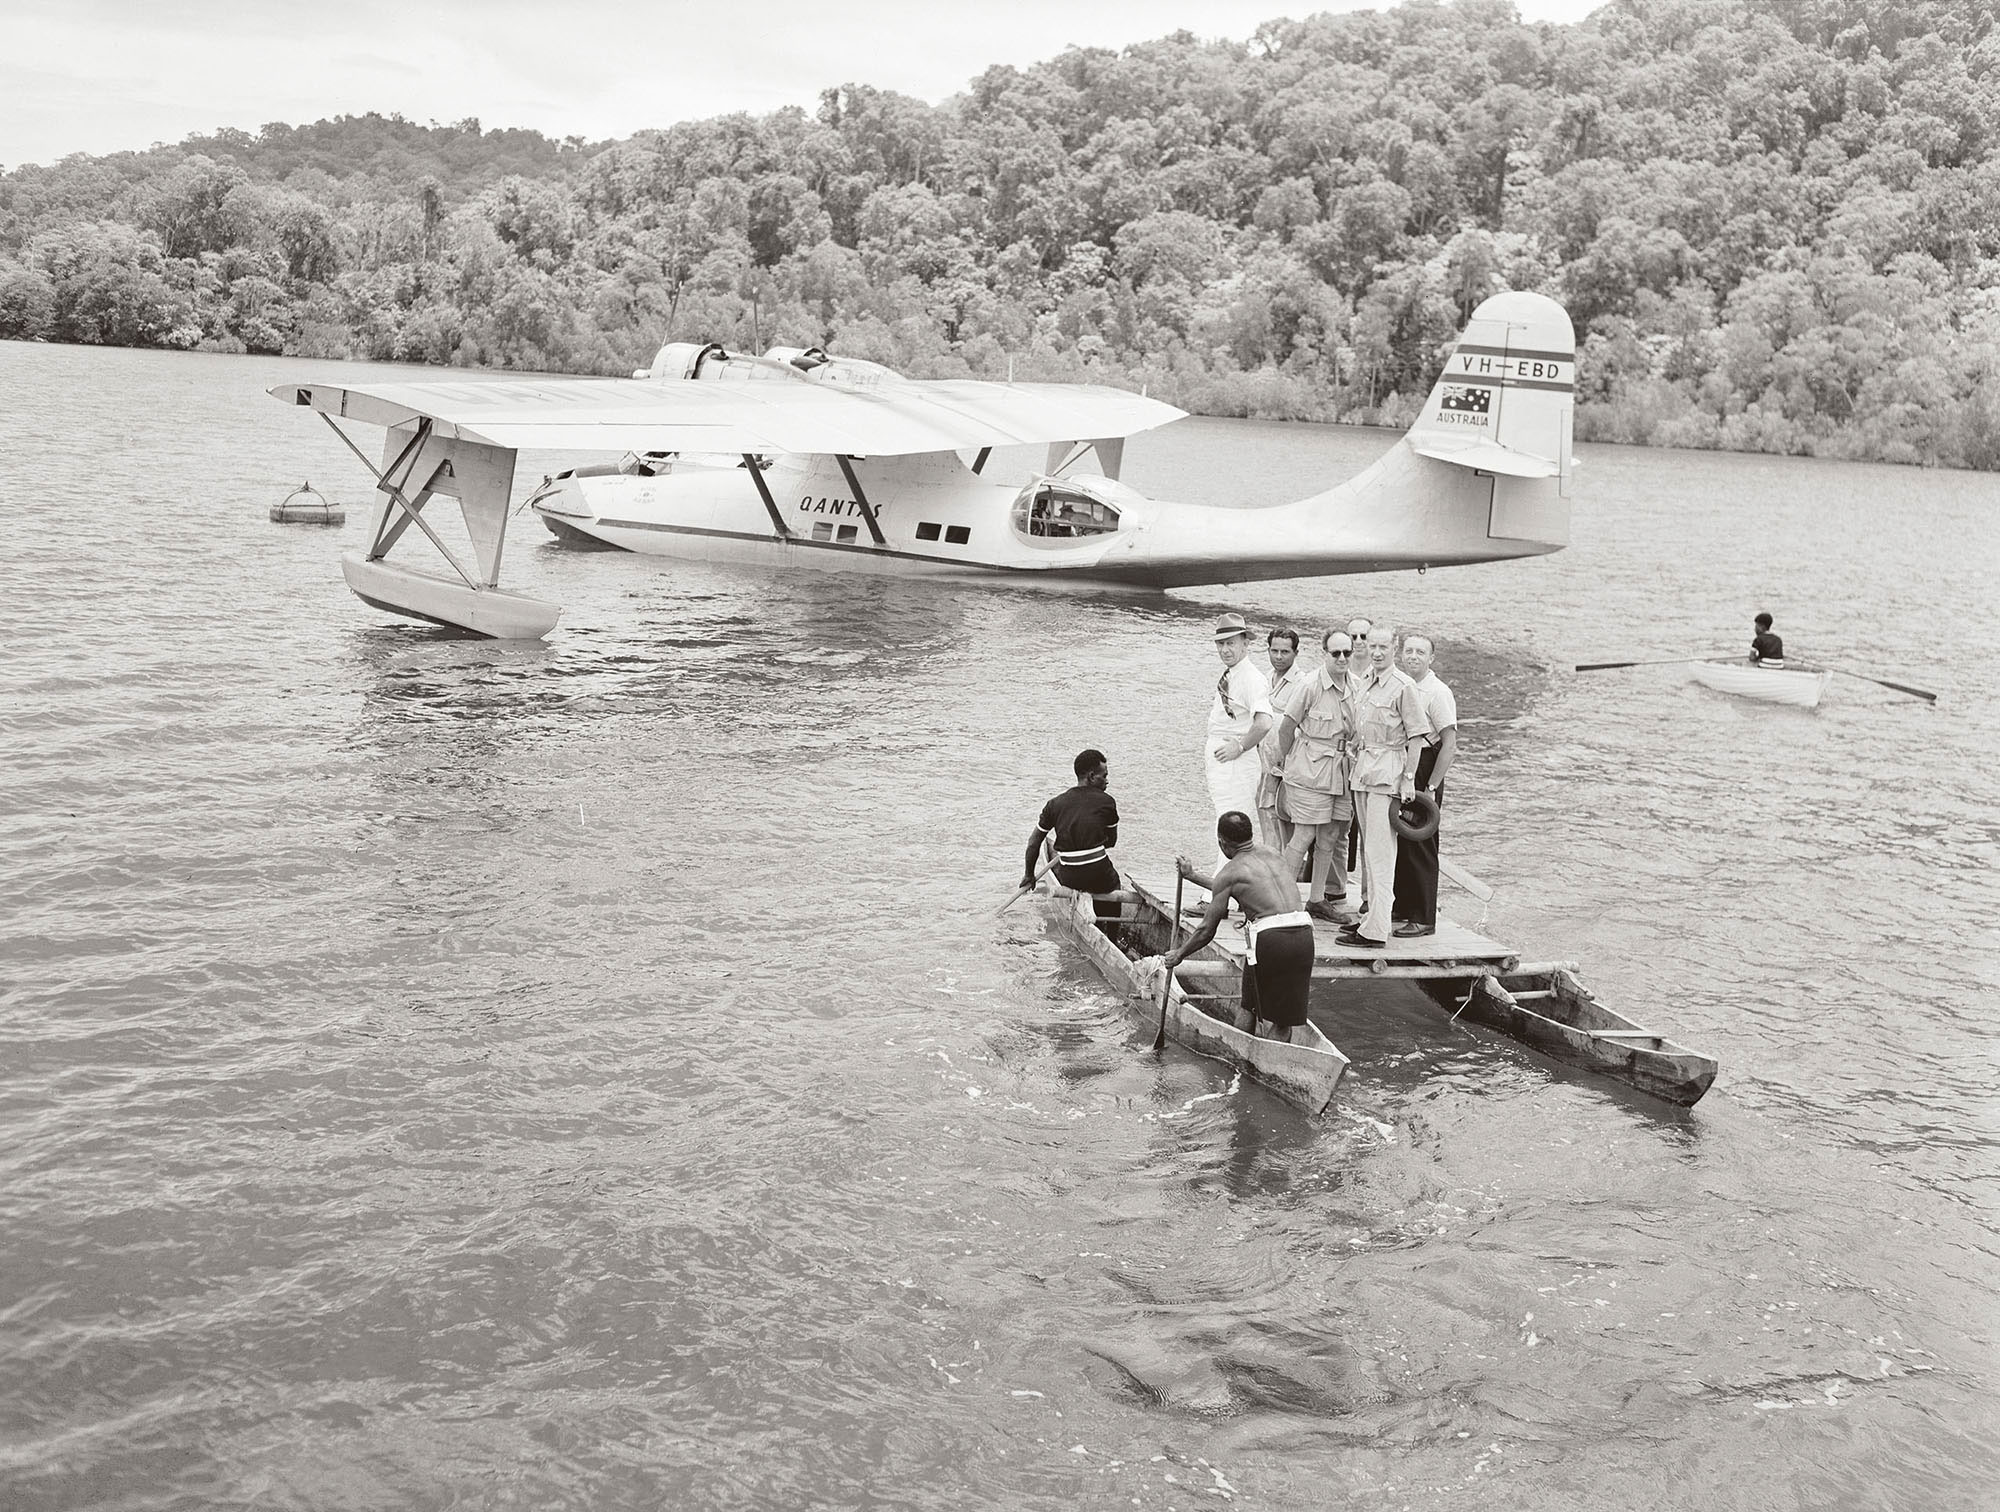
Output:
(1207, 988)
(1546, 1008)
(1800, 687)
(1542, 1005)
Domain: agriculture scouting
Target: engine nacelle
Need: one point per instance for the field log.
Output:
(683, 359)
(805, 359)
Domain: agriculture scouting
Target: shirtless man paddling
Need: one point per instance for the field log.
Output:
(1278, 976)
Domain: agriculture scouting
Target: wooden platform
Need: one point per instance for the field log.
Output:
(1453, 952)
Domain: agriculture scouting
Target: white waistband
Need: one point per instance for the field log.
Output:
(1279, 921)
(1081, 857)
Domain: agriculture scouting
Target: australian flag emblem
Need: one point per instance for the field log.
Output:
(1468, 397)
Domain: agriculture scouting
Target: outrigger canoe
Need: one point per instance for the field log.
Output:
(1207, 988)
(1800, 687)
(1548, 1009)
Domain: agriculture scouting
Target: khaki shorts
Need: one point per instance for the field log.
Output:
(1304, 806)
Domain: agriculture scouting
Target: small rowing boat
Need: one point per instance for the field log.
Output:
(1207, 988)
(1548, 1009)
(1800, 687)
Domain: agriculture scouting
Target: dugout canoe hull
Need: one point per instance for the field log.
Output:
(1304, 1075)
(1553, 1012)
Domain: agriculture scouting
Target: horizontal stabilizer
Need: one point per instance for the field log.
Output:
(1487, 456)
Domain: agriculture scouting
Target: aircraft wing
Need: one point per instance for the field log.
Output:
(617, 415)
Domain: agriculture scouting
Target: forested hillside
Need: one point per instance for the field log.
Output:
(1776, 224)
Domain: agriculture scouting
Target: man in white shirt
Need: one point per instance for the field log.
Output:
(1283, 646)
(1417, 860)
(1238, 721)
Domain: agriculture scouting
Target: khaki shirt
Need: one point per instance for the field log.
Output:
(1318, 760)
(1282, 691)
(1384, 713)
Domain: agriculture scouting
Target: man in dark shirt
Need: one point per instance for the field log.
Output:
(1766, 650)
(1084, 822)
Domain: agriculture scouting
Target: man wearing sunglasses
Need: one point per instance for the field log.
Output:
(1313, 799)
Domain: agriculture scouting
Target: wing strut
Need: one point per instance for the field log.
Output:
(861, 499)
(764, 493)
(386, 534)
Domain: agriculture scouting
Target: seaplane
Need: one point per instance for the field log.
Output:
(792, 459)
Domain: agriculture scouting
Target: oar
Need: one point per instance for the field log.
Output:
(1664, 661)
(1022, 892)
(1167, 987)
(1885, 683)
(1466, 880)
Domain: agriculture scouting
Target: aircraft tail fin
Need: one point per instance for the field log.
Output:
(1505, 402)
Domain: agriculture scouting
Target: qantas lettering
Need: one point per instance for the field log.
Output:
(823, 505)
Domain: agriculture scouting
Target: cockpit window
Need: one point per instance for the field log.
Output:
(1048, 511)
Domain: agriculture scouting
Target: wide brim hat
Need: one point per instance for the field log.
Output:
(1230, 626)
(1415, 817)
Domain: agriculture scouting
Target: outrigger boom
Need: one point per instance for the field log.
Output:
(848, 466)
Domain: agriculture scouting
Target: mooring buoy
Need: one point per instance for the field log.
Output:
(305, 505)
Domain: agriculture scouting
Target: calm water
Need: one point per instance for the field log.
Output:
(436, 1073)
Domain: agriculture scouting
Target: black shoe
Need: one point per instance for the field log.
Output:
(1323, 911)
(1410, 929)
(1355, 940)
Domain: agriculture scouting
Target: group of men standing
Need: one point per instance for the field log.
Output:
(1304, 766)
(1320, 755)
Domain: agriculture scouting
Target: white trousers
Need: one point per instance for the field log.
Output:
(1233, 785)
(1378, 861)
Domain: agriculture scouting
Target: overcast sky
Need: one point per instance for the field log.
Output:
(101, 76)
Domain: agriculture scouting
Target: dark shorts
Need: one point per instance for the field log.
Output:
(1098, 876)
(1276, 988)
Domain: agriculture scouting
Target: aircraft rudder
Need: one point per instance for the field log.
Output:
(1504, 401)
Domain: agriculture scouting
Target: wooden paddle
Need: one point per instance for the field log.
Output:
(1022, 892)
(1664, 661)
(1466, 880)
(1167, 987)
(1882, 682)
(1885, 683)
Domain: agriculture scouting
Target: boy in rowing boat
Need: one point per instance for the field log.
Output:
(1084, 823)
(1766, 650)
(1278, 976)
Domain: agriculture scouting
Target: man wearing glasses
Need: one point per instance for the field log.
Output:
(1313, 801)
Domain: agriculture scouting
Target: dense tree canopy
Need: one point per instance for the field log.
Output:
(1776, 224)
